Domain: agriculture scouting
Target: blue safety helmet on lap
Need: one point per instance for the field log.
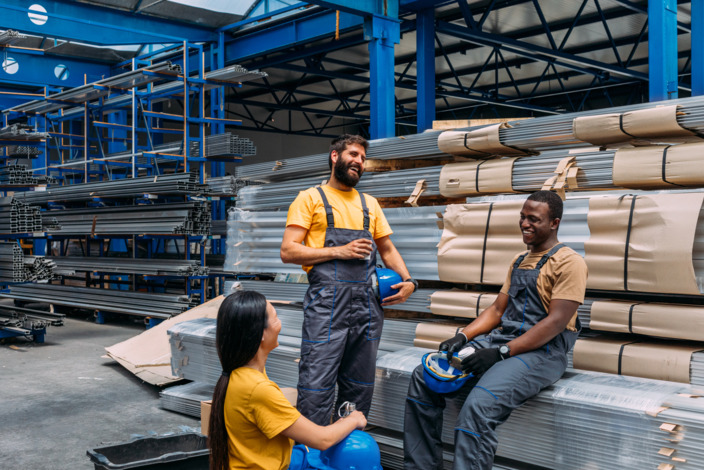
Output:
(441, 376)
(382, 282)
(358, 451)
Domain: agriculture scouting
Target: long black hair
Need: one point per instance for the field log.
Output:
(240, 326)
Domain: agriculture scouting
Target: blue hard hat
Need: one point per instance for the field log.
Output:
(358, 451)
(384, 279)
(441, 376)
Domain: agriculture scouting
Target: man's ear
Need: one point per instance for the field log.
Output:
(555, 224)
(334, 156)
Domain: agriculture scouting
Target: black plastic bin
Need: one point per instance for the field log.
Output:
(187, 451)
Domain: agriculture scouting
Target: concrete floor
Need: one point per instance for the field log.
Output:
(61, 398)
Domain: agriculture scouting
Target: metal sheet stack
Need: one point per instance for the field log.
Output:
(189, 218)
(186, 398)
(18, 217)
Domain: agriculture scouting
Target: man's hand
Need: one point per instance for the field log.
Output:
(453, 344)
(481, 361)
(356, 249)
(405, 289)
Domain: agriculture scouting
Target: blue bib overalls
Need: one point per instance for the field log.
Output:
(494, 395)
(342, 325)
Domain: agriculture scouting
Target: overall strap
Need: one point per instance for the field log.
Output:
(365, 210)
(547, 255)
(328, 208)
(520, 260)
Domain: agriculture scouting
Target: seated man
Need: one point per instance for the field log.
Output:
(521, 344)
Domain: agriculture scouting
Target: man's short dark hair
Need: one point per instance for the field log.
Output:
(339, 144)
(553, 201)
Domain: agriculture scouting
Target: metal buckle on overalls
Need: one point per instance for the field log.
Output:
(346, 409)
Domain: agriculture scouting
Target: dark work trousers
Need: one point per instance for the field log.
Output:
(342, 322)
(494, 395)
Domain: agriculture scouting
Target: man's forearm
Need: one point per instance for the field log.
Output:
(393, 260)
(295, 253)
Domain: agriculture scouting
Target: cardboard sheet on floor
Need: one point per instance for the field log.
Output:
(477, 143)
(643, 246)
(479, 241)
(659, 166)
(658, 123)
(649, 319)
(460, 303)
(653, 360)
(477, 177)
(148, 355)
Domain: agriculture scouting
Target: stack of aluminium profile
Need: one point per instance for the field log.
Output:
(530, 173)
(235, 73)
(106, 300)
(254, 240)
(398, 183)
(21, 132)
(226, 144)
(23, 151)
(18, 217)
(30, 315)
(20, 175)
(69, 265)
(168, 184)
(222, 185)
(188, 218)
(174, 148)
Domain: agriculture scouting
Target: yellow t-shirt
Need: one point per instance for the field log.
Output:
(564, 277)
(256, 412)
(308, 211)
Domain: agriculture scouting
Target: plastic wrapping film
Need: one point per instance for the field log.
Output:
(477, 177)
(643, 243)
(649, 319)
(483, 142)
(479, 241)
(659, 122)
(460, 303)
(659, 166)
(639, 358)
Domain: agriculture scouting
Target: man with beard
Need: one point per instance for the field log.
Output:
(334, 232)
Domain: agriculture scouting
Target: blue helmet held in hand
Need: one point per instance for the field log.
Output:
(440, 375)
(382, 281)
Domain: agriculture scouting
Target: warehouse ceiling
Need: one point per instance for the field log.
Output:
(493, 59)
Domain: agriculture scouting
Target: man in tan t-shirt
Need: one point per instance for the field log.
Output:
(520, 346)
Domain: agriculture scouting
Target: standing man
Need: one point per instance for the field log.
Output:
(521, 344)
(334, 232)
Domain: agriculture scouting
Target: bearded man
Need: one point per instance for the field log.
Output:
(335, 233)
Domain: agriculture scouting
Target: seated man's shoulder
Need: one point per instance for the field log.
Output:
(567, 255)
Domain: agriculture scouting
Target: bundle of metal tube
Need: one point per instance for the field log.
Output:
(217, 145)
(400, 183)
(173, 148)
(31, 315)
(190, 218)
(169, 184)
(585, 420)
(107, 300)
(23, 151)
(226, 185)
(186, 398)
(21, 132)
(20, 175)
(419, 301)
(69, 265)
(596, 170)
(10, 37)
(18, 217)
(254, 240)
(235, 73)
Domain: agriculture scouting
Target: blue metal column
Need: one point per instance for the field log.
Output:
(697, 50)
(425, 62)
(662, 49)
(382, 33)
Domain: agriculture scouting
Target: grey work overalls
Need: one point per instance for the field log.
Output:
(494, 395)
(342, 325)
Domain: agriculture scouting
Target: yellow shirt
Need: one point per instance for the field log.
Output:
(564, 277)
(256, 412)
(308, 211)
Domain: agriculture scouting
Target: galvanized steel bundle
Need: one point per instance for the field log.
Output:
(18, 217)
(107, 300)
(186, 398)
(222, 185)
(254, 240)
(21, 132)
(596, 170)
(22, 151)
(70, 265)
(235, 73)
(226, 144)
(188, 218)
(169, 184)
(20, 175)
(400, 183)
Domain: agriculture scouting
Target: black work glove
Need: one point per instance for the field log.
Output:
(453, 344)
(481, 360)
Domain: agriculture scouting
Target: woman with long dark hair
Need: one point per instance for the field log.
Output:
(252, 424)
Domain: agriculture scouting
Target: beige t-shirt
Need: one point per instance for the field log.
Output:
(564, 276)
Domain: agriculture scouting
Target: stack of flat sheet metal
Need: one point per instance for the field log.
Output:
(189, 218)
(106, 300)
(400, 183)
(585, 420)
(186, 398)
(169, 184)
(193, 353)
(254, 240)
